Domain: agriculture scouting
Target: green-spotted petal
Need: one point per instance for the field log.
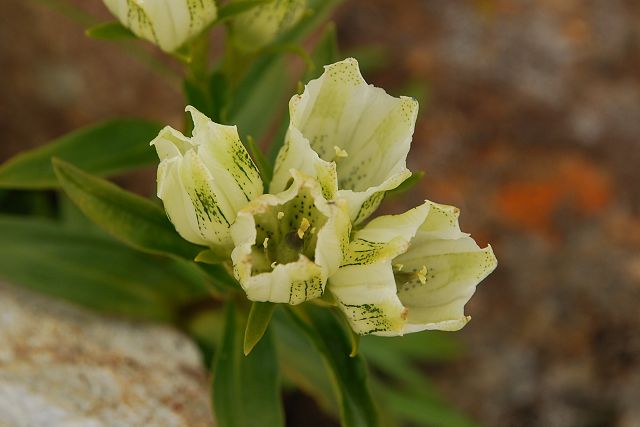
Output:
(361, 128)
(452, 265)
(298, 155)
(167, 23)
(365, 286)
(410, 272)
(205, 180)
(288, 244)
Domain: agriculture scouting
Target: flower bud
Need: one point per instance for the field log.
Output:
(260, 25)
(167, 23)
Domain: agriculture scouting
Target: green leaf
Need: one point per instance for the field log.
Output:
(407, 184)
(406, 393)
(324, 52)
(413, 406)
(127, 216)
(264, 85)
(246, 389)
(350, 374)
(95, 271)
(197, 96)
(209, 256)
(301, 364)
(319, 12)
(257, 324)
(104, 149)
(110, 31)
(266, 171)
(232, 9)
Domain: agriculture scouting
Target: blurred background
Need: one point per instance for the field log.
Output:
(529, 122)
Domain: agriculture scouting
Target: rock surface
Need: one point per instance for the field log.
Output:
(61, 365)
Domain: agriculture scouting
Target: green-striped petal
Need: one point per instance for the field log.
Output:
(410, 272)
(205, 180)
(361, 128)
(167, 23)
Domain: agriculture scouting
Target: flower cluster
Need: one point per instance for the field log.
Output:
(346, 145)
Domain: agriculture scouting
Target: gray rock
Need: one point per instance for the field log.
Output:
(61, 365)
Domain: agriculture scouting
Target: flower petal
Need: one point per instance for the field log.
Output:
(363, 129)
(365, 286)
(452, 265)
(297, 154)
(366, 294)
(227, 160)
(167, 23)
(203, 181)
(287, 244)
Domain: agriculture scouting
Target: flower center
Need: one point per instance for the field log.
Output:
(286, 231)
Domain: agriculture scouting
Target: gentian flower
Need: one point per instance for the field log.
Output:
(410, 272)
(288, 244)
(166, 23)
(346, 146)
(205, 180)
(365, 131)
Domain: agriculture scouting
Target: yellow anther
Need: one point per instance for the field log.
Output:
(304, 226)
(313, 230)
(422, 275)
(280, 215)
(340, 152)
(273, 264)
(265, 243)
(399, 267)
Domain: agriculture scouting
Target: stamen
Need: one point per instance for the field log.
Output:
(313, 230)
(422, 275)
(265, 244)
(399, 267)
(280, 215)
(304, 226)
(273, 264)
(340, 152)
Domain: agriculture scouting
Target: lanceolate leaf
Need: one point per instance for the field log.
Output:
(333, 342)
(246, 389)
(301, 363)
(104, 149)
(325, 52)
(265, 84)
(128, 217)
(257, 324)
(110, 31)
(94, 270)
(319, 10)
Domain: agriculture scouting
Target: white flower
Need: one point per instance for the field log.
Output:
(205, 180)
(361, 128)
(167, 23)
(260, 25)
(410, 272)
(288, 244)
